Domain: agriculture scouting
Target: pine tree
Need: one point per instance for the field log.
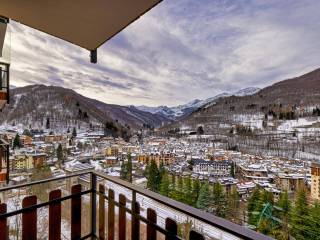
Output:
(203, 201)
(17, 142)
(232, 170)
(123, 171)
(178, 193)
(172, 186)
(233, 206)
(74, 132)
(187, 191)
(196, 186)
(126, 169)
(300, 216)
(253, 207)
(48, 123)
(164, 185)
(219, 201)
(59, 153)
(153, 177)
(285, 205)
(315, 221)
(129, 167)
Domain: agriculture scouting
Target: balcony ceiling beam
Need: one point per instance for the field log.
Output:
(88, 24)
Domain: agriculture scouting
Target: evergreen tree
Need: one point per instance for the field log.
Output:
(196, 186)
(219, 201)
(164, 185)
(153, 177)
(203, 201)
(315, 221)
(178, 193)
(300, 217)
(187, 191)
(48, 123)
(285, 206)
(27, 132)
(126, 169)
(17, 142)
(172, 186)
(233, 206)
(59, 153)
(74, 132)
(200, 130)
(253, 207)
(161, 170)
(232, 170)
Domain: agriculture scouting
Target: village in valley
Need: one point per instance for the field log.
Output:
(186, 168)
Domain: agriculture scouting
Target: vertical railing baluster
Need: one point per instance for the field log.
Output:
(3, 223)
(151, 231)
(101, 212)
(195, 235)
(55, 216)
(29, 219)
(172, 228)
(93, 205)
(122, 217)
(136, 222)
(110, 214)
(76, 212)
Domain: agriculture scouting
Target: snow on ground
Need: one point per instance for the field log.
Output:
(250, 120)
(164, 212)
(291, 125)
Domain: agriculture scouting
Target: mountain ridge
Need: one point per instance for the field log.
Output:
(33, 104)
(180, 111)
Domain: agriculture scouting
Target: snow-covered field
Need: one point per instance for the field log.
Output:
(291, 125)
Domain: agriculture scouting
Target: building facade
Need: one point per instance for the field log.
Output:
(315, 181)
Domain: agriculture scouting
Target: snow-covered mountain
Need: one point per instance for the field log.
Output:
(185, 109)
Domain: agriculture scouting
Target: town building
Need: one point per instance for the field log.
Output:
(215, 168)
(315, 181)
(164, 158)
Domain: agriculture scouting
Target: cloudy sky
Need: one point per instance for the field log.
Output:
(179, 51)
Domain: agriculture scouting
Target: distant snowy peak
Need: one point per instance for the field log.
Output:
(247, 91)
(185, 109)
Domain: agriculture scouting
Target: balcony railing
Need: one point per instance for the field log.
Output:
(118, 210)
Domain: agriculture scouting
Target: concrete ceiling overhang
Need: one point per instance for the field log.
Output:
(86, 23)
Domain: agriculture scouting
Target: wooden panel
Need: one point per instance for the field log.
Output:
(195, 235)
(76, 213)
(3, 96)
(122, 217)
(172, 228)
(135, 232)
(29, 219)
(101, 212)
(111, 215)
(3, 223)
(55, 216)
(151, 231)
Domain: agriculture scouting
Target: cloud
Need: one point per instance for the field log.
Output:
(179, 51)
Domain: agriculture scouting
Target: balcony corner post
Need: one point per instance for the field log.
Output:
(93, 205)
(134, 217)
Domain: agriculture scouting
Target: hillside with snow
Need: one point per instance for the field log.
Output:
(179, 111)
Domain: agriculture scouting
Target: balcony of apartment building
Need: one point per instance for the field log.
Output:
(104, 207)
(97, 206)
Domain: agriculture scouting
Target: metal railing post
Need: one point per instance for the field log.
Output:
(93, 205)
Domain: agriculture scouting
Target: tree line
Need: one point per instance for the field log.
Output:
(284, 219)
(208, 197)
